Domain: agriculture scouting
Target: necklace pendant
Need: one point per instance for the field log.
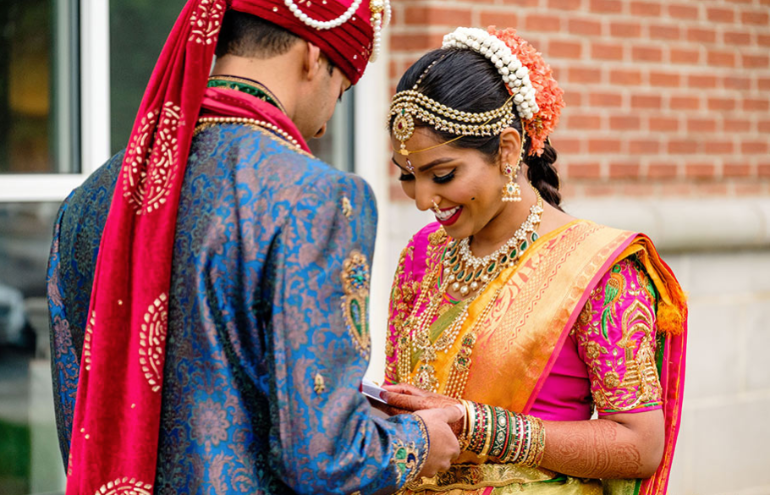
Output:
(429, 354)
(425, 379)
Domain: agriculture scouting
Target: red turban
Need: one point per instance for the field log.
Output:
(349, 46)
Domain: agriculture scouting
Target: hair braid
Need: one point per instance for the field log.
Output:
(543, 175)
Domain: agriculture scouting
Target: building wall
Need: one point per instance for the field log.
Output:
(663, 98)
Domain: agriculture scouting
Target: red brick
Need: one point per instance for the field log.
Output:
(737, 82)
(647, 54)
(763, 170)
(584, 122)
(664, 79)
(543, 23)
(567, 145)
(756, 105)
(625, 123)
(683, 11)
(607, 145)
(653, 101)
(638, 189)
(591, 170)
(626, 29)
(647, 9)
(748, 189)
(754, 147)
(763, 39)
(613, 100)
(684, 56)
(755, 61)
(522, 3)
(415, 41)
(721, 59)
(626, 77)
(624, 170)
(565, 4)
(663, 124)
(701, 125)
(720, 15)
(711, 189)
(437, 16)
(661, 171)
(685, 103)
(584, 27)
(597, 190)
(764, 84)
(606, 6)
(498, 18)
(756, 17)
(700, 170)
(643, 147)
(721, 104)
(665, 32)
(565, 49)
(763, 126)
(737, 38)
(700, 35)
(737, 125)
(683, 146)
(607, 51)
(573, 99)
(736, 170)
(677, 189)
(702, 81)
(584, 75)
(719, 147)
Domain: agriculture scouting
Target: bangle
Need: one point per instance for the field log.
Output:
(489, 430)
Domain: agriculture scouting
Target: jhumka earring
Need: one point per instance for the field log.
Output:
(512, 191)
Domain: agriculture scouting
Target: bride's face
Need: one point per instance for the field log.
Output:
(464, 184)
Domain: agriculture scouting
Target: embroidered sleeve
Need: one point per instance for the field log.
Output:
(325, 438)
(617, 340)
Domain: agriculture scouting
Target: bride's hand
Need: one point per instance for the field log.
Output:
(410, 398)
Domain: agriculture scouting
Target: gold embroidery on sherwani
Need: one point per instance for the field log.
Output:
(125, 486)
(355, 302)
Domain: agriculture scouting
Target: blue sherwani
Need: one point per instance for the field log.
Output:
(267, 339)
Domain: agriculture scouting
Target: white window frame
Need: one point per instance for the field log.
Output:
(94, 110)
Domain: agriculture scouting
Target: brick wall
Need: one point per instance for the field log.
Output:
(663, 98)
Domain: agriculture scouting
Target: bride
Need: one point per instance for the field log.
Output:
(529, 318)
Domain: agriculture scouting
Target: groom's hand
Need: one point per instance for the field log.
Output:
(443, 443)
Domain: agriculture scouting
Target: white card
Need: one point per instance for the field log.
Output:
(371, 389)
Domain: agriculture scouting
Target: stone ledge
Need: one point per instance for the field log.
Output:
(677, 225)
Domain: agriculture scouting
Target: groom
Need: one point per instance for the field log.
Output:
(208, 286)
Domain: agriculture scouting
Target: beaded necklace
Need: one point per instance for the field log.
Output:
(425, 377)
(248, 86)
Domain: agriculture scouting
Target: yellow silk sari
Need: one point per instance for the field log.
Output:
(534, 305)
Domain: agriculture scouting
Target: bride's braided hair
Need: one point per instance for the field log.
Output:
(465, 80)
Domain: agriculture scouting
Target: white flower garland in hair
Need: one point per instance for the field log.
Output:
(515, 75)
(322, 25)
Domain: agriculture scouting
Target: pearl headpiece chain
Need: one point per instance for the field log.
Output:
(514, 74)
(381, 13)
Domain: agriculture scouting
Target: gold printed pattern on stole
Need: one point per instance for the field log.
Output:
(88, 340)
(206, 21)
(125, 486)
(151, 161)
(151, 339)
(355, 302)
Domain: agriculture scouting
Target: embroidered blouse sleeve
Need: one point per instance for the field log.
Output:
(401, 298)
(617, 340)
(325, 437)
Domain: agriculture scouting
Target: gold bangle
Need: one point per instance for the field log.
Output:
(489, 426)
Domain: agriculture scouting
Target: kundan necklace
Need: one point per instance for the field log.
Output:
(461, 270)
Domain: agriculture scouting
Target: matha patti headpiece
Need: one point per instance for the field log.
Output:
(534, 92)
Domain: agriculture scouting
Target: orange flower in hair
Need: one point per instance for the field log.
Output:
(548, 95)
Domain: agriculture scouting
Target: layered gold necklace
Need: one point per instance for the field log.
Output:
(466, 274)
